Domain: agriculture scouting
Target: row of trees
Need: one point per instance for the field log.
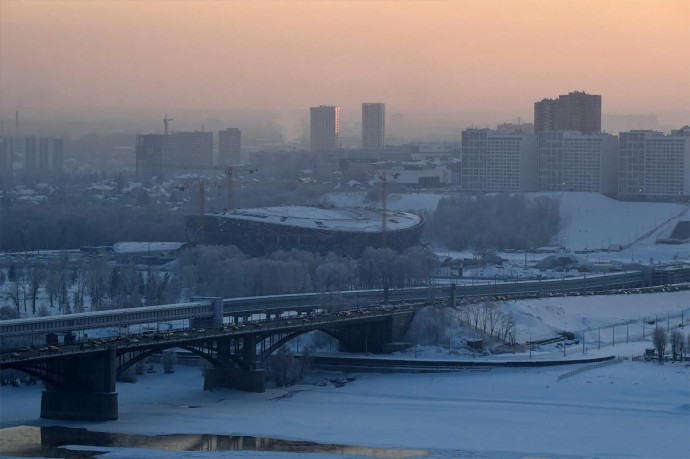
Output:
(73, 223)
(677, 341)
(227, 272)
(501, 221)
(88, 283)
(440, 325)
(94, 283)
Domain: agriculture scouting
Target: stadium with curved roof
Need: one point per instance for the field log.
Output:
(344, 231)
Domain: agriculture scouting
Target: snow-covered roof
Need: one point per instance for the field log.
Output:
(145, 247)
(334, 219)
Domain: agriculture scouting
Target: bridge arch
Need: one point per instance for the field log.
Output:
(289, 337)
(50, 378)
(196, 350)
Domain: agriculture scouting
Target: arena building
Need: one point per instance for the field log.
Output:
(344, 231)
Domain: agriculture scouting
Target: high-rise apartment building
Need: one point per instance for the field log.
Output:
(373, 126)
(150, 152)
(576, 111)
(652, 164)
(158, 155)
(229, 146)
(325, 127)
(572, 161)
(495, 162)
(189, 150)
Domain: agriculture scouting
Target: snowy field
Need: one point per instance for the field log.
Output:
(626, 410)
(589, 221)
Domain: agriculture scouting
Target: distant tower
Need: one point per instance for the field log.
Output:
(229, 146)
(325, 128)
(189, 149)
(373, 126)
(150, 152)
(576, 111)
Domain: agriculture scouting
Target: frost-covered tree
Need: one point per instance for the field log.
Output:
(36, 276)
(677, 343)
(659, 339)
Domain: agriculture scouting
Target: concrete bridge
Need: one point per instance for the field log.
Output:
(80, 377)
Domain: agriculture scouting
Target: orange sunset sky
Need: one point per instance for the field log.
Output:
(424, 56)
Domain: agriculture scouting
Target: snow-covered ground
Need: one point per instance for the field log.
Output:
(631, 409)
(627, 410)
(589, 221)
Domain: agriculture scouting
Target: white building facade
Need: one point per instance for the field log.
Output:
(496, 162)
(654, 165)
(571, 161)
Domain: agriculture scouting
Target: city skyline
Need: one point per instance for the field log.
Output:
(426, 57)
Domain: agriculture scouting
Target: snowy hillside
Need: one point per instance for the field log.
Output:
(589, 220)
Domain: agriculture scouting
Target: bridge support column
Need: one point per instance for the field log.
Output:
(372, 336)
(249, 379)
(249, 350)
(85, 390)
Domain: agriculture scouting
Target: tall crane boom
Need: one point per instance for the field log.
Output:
(167, 120)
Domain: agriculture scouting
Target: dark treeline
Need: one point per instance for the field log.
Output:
(226, 272)
(71, 224)
(502, 221)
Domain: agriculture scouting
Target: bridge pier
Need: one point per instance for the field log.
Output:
(372, 336)
(228, 376)
(83, 388)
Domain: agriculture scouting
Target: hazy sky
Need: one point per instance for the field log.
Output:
(434, 55)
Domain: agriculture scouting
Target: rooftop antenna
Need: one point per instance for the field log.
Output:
(16, 123)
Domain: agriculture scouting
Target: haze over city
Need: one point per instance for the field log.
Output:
(477, 62)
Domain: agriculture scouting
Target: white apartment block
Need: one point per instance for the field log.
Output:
(653, 164)
(571, 161)
(495, 162)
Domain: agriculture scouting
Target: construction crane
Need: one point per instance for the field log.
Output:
(167, 120)
(229, 172)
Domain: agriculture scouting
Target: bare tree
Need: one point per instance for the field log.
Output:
(659, 339)
(507, 328)
(677, 343)
(169, 360)
(97, 275)
(15, 289)
(474, 311)
(282, 368)
(493, 314)
(36, 277)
